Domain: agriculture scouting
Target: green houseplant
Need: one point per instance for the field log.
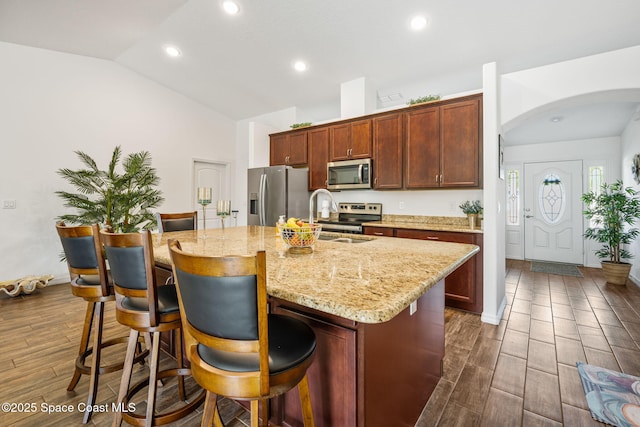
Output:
(612, 212)
(472, 209)
(122, 200)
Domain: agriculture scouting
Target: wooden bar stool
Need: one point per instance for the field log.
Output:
(177, 221)
(235, 347)
(83, 253)
(145, 308)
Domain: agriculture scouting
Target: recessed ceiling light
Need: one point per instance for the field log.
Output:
(300, 66)
(418, 22)
(556, 119)
(172, 51)
(230, 7)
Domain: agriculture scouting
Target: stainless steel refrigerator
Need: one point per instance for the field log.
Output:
(275, 191)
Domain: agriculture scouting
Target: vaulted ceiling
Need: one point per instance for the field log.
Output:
(241, 65)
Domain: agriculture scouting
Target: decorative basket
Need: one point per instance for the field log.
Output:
(300, 240)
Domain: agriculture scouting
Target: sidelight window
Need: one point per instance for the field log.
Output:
(596, 177)
(513, 197)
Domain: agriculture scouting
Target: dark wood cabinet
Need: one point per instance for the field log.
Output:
(463, 287)
(288, 149)
(422, 148)
(460, 136)
(318, 140)
(387, 152)
(369, 375)
(443, 145)
(350, 140)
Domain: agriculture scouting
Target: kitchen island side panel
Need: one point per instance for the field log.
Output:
(371, 374)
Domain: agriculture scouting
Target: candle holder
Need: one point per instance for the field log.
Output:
(223, 210)
(204, 199)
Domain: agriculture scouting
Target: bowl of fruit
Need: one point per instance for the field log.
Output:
(299, 236)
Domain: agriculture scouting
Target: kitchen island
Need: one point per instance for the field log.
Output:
(377, 307)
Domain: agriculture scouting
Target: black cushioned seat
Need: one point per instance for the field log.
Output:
(291, 342)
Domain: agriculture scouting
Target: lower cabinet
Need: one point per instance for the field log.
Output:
(463, 287)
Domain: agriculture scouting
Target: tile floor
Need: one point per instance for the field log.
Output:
(523, 371)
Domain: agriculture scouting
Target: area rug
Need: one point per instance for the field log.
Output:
(613, 397)
(555, 268)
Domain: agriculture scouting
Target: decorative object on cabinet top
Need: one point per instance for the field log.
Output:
(301, 125)
(423, 99)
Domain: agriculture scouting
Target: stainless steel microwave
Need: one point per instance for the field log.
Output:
(349, 174)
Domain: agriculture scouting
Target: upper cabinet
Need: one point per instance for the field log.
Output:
(435, 145)
(351, 140)
(318, 157)
(443, 145)
(387, 152)
(288, 149)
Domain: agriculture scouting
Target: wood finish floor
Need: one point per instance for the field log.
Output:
(523, 371)
(519, 373)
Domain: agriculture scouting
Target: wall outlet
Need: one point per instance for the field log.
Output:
(413, 307)
(401, 205)
(8, 204)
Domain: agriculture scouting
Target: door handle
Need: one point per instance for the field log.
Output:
(528, 216)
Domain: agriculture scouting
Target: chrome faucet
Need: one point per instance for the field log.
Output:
(334, 207)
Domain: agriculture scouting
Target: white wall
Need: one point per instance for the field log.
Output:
(630, 142)
(53, 104)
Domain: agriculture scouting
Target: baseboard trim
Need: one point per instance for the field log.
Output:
(495, 318)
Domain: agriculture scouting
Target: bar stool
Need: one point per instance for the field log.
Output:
(177, 221)
(83, 253)
(235, 347)
(145, 308)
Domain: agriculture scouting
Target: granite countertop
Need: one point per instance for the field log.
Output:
(368, 282)
(429, 223)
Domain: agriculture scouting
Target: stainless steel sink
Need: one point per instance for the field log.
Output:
(342, 239)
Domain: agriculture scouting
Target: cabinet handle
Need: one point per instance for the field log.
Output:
(441, 179)
(437, 178)
(432, 238)
(378, 233)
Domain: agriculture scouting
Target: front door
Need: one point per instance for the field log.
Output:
(553, 211)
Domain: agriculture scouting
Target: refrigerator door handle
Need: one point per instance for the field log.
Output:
(261, 198)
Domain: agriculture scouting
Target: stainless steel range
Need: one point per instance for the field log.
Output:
(351, 216)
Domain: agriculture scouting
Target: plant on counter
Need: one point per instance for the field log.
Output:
(121, 201)
(471, 207)
(422, 99)
(300, 125)
(611, 211)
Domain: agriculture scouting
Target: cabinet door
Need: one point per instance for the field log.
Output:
(463, 287)
(339, 142)
(278, 150)
(297, 149)
(360, 139)
(318, 158)
(387, 152)
(288, 149)
(460, 144)
(332, 376)
(422, 148)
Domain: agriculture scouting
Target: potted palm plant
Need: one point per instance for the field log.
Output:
(612, 212)
(121, 200)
